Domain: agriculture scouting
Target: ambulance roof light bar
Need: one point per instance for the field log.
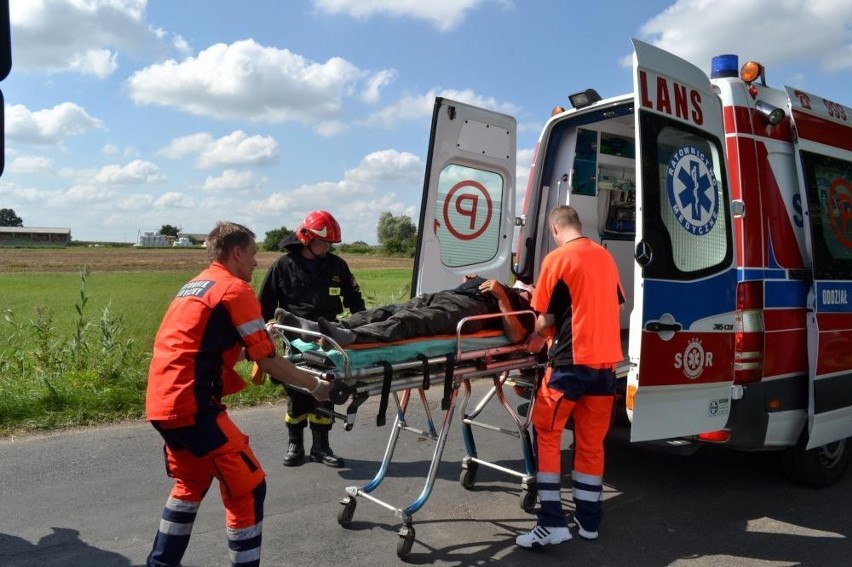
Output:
(726, 66)
(584, 98)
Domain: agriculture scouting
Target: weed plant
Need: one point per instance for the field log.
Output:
(59, 370)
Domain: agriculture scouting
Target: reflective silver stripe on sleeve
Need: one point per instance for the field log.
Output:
(250, 327)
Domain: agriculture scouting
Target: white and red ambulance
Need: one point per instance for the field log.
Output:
(727, 205)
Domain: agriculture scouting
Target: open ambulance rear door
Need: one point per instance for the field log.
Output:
(682, 325)
(824, 159)
(467, 213)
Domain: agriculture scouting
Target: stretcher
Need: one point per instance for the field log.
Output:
(395, 370)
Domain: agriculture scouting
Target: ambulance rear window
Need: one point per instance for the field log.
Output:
(684, 200)
(828, 183)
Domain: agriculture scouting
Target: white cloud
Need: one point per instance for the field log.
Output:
(231, 181)
(186, 145)
(235, 149)
(387, 166)
(49, 127)
(419, 106)
(785, 32)
(330, 128)
(245, 80)
(134, 173)
(77, 35)
(30, 164)
(372, 92)
(443, 14)
(174, 200)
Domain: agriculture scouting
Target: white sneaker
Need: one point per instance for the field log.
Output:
(585, 534)
(541, 536)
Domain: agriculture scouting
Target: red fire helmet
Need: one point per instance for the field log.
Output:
(318, 225)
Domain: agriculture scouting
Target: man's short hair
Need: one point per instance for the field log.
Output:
(225, 237)
(565, 215)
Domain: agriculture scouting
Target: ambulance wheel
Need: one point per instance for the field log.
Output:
(406, 541)
(345, 515)
(468, 477)
(820, 466)
(529, 496)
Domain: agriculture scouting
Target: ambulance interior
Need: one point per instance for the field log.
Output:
(595, 172)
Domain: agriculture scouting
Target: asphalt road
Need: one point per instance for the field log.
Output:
(93, 498)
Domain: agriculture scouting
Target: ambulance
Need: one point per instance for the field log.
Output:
(727, 205)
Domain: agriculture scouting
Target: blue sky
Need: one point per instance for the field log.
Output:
(124, 115)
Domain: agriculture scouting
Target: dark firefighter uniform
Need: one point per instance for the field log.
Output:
(310, 288)
(208, 324)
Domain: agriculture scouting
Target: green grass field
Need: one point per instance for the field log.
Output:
(74, 349)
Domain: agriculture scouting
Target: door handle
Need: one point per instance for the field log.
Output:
(656, 327)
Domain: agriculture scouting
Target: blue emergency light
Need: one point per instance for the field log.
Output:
(724, 66)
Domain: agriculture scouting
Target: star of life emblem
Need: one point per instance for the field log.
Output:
(693, 359)
(692, 190)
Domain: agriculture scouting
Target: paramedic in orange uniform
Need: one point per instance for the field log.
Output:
(578, 297)
(211, 321)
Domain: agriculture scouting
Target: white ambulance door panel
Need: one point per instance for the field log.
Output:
(682, 326)
(467, 210)
(824, 164)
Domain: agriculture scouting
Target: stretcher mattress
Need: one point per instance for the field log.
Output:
(368, 354)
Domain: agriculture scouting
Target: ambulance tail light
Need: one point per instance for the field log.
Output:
(720, 436)
(749, 333)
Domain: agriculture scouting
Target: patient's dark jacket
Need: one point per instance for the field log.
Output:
(431, 314)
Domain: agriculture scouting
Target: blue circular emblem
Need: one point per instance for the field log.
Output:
(693, 190)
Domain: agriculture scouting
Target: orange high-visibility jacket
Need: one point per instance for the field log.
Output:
(208, 323)
(579, 285)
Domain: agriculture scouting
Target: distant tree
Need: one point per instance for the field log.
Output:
(397, 234)
(169, 230)
(274, 237)
(9, 218)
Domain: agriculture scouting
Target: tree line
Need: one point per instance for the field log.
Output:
(397, 235)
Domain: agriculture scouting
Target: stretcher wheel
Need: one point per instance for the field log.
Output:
(528, 499)
(406, 541)
(468, 479)
(345, 515)
(339, 392)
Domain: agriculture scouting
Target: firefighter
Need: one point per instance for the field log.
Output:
(311, 282)
(213, 321)
(578, 297)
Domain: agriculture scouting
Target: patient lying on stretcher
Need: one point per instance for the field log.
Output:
(430, 314)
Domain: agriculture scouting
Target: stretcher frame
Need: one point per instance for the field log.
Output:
(509, 365)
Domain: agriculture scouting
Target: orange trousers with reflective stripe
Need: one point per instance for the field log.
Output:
(588, 395)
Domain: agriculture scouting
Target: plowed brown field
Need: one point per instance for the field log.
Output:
(111, 259)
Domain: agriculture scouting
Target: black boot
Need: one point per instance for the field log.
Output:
(321, 452)
(296, 447)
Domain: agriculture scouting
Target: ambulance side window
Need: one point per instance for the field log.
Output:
(468, 210)
(828, 183)
(684, 200)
